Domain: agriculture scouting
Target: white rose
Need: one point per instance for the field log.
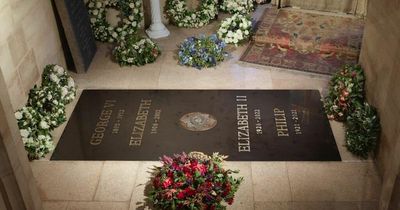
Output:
(92, 20)
(114, 34)
(64, 91)
(24, 140)
(71, 82)
(43, 125)
(95, 12)
(131, 5)
(98, 4)
(41, 137)
(18, 115)
(54, 78)
(134, 24)
(24, 133)
(59, 69)
(135, 11)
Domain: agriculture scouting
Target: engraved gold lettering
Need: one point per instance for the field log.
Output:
(140, 123)
(280, 123)
(244, 148)
(243, 134)
(102, 123)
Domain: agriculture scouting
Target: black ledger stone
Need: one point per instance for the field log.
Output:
(246, 125)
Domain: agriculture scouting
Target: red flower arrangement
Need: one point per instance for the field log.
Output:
(346, 89)
(194, 181)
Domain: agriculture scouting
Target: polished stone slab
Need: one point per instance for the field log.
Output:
(75, 22)
(247, 125)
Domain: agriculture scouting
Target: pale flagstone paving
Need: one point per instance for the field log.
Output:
(348, 185)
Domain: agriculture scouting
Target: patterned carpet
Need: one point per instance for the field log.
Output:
(305, 41)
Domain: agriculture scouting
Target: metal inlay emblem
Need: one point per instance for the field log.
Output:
(197, 121)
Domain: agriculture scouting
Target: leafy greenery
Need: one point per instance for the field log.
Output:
(346, 87)
(57, 79)
(237, 6)
(200, 52)
(346, 103)
(135, 50)
(35, 132)
(130, 17)
(194, 181)
(236, 29)
(45, 110)
(48, 102)
(363, 129)
(179, 15)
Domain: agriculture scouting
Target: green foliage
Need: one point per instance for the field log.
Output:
(35, 132)
(346, 87)
(202, 51)
(56, 79)
(363, 130)
(346, 103)
(193, 181)
(130, 16)
(236, 29)
(135, 50)
(179, 15)
(45, 110)
(237, 6)
(48, 102)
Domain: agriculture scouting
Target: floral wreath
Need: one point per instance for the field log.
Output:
(235, 29)
(237, 6)
(130, 14)
(179, 14)
(45, 110)
(202, 51)
(135, 50)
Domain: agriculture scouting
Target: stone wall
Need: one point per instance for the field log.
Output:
(29, 40)
(380, 57)
(17, 184)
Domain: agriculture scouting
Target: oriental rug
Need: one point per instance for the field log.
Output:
(246, 125)
(306, 41)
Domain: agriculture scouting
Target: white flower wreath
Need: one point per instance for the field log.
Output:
(130, 13)
(135, 50)
(235, 29)
(237, 6)
(179, 14)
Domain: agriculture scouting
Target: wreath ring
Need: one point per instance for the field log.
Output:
(130, 17)
(180, 16)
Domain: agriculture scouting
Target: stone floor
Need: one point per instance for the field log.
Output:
(352, 184)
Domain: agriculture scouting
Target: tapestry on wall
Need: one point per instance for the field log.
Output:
(306, 41)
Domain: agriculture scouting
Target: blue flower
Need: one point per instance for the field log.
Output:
(201, 52)
(214, 37)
